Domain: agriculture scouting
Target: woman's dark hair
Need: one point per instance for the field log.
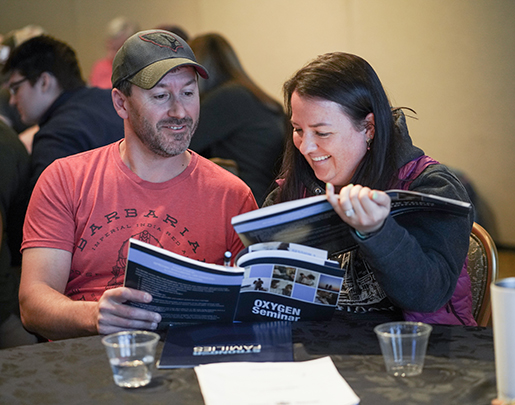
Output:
(219, 58)
(349, 81)
(46, 54)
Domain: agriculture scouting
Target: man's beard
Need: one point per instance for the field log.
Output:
(165, 145)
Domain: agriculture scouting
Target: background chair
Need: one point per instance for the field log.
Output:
(483, 267)
(227, 164)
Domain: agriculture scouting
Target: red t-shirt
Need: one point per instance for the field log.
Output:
(91, 203)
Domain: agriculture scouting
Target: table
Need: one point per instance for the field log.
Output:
(459, 369)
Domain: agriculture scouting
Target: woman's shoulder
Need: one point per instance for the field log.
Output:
(438, 179)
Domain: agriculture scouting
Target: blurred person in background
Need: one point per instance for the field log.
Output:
(47, 88)
(176, 29)
(8, 113)
(238, 120)
(14, 166)
(118, 30)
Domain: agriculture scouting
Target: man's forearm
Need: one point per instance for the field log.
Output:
(54, 316)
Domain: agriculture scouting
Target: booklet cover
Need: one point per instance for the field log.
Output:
(183, 290)
(192, 345)
(313, 222)
(280, 283)
(270, 282)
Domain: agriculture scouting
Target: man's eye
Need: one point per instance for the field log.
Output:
(161, 96)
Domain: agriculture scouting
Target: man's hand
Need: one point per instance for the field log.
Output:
(114, 315)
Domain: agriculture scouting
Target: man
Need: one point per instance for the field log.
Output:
(147, 186)
(48, 90)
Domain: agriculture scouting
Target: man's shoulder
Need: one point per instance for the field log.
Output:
(91, 157)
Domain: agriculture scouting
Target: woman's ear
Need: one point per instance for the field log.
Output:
(370, 126)
(120, 103)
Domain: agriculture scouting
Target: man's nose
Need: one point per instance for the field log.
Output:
(177, 110)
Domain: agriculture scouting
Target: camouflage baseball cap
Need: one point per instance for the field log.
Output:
(147, 56)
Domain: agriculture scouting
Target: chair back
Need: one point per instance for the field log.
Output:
(482, 267)
(227, 164)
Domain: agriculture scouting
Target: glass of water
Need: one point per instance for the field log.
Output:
(403, 345)
(132, 356)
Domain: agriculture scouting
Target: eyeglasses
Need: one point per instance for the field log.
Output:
(13, 87)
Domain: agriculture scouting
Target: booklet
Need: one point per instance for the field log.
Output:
(313, 222)
(184, 290)
(192, 345)
(270, 282)
(287, 281)
(283, 274)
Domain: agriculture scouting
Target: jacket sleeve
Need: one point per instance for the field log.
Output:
(418, 257)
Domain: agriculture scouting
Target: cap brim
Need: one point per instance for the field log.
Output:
(149, 76)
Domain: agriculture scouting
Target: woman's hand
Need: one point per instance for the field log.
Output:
(360, 207)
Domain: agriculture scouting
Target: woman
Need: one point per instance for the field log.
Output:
(348, 140)
(238, 120)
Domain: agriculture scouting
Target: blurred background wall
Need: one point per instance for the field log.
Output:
(453, 61)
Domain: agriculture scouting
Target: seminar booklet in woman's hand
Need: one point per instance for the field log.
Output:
(313, 222)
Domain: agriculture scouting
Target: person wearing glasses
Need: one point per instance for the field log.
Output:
(47, 89)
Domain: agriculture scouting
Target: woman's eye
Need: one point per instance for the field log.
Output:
(323, 134)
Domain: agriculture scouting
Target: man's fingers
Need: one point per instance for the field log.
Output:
(114, 314)
(123, 294)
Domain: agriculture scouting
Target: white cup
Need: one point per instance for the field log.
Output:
(503, 321)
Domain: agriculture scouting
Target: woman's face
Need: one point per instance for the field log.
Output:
(326, 137)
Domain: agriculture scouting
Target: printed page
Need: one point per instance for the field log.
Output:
(313, 382)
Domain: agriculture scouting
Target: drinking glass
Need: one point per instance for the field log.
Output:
(132, 357)
(403, 345)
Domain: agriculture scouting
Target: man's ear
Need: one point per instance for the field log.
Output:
(370, 126)
(120, 103)
(48, 82)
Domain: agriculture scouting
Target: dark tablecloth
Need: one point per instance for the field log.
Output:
(459, 369)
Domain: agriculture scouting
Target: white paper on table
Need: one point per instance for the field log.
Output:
(312, 382)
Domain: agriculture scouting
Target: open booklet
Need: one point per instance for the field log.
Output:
(283, 274)
(270, 282)
(313, 222)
